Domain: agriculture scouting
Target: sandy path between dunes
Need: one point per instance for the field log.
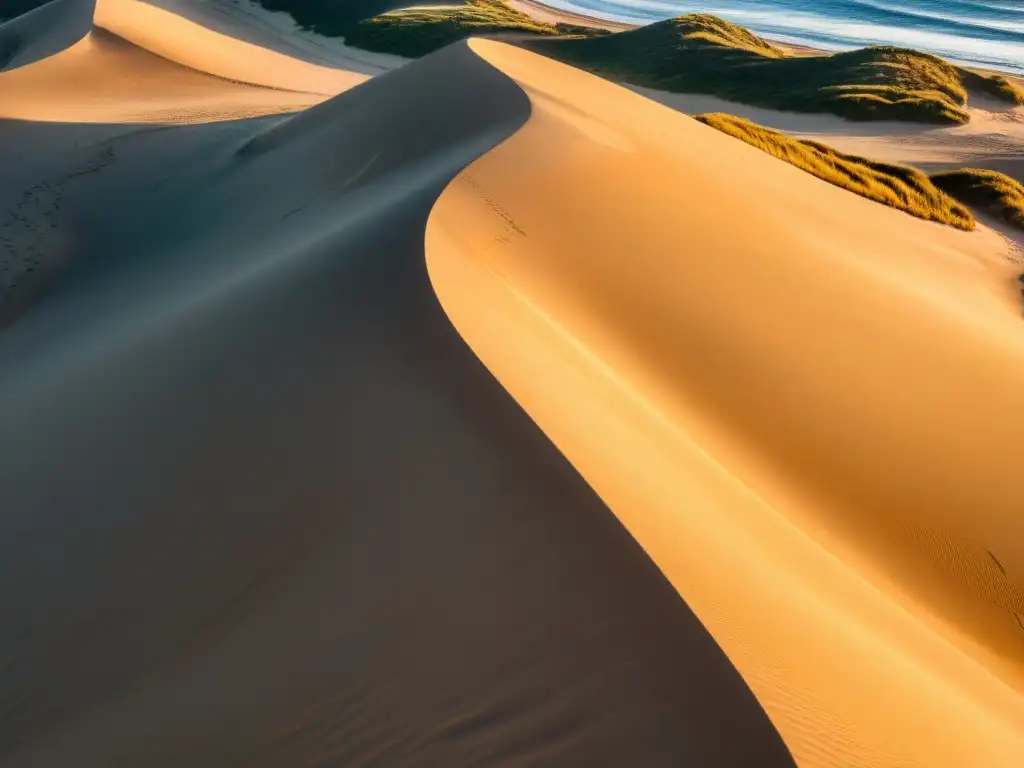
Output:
(805, 406)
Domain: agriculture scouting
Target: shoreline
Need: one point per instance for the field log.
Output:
(551, 15)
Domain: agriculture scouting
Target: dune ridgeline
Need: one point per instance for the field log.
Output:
(480, 413)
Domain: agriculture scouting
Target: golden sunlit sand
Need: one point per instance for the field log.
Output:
(801, 403)
(480, 413)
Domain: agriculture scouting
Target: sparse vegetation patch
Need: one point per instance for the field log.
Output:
(898, 186)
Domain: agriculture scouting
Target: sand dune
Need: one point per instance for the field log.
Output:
(263, 505)
(140, 63)
(803, 405)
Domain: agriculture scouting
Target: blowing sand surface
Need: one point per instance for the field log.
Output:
(262, 505)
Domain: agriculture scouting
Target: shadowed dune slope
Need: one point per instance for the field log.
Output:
(43, 32)
(262, 506)
(807, 407)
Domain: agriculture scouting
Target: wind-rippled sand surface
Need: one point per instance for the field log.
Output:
(483, 413)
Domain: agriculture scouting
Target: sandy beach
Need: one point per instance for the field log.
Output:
(477, 411)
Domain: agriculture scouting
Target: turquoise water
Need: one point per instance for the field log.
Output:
(985, 33)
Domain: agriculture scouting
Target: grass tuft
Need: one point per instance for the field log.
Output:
(989, 191)
(995, 86)
(897, 186)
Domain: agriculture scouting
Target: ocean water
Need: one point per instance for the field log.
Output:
(984, 33)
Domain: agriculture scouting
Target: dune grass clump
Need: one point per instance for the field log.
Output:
(897, 186)
(989, 191)
(415, 32)
(700, 53)
(995, 86)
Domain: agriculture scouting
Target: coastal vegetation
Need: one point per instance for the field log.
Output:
(415, 32)
(334, 18)
(697, 53)
(898, 186)
(701, 53)
(990, 191)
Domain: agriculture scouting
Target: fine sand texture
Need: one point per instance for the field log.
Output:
(482, 413)
(261, 504)
(804, 405)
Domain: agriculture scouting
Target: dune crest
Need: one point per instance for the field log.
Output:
(805, 407)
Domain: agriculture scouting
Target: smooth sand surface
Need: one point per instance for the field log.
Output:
(724, 477)
(261, 504)
(804, 405)
(141, 63)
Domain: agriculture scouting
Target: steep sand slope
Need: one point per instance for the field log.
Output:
(143, 64)
(805, 406)
(263, 507)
